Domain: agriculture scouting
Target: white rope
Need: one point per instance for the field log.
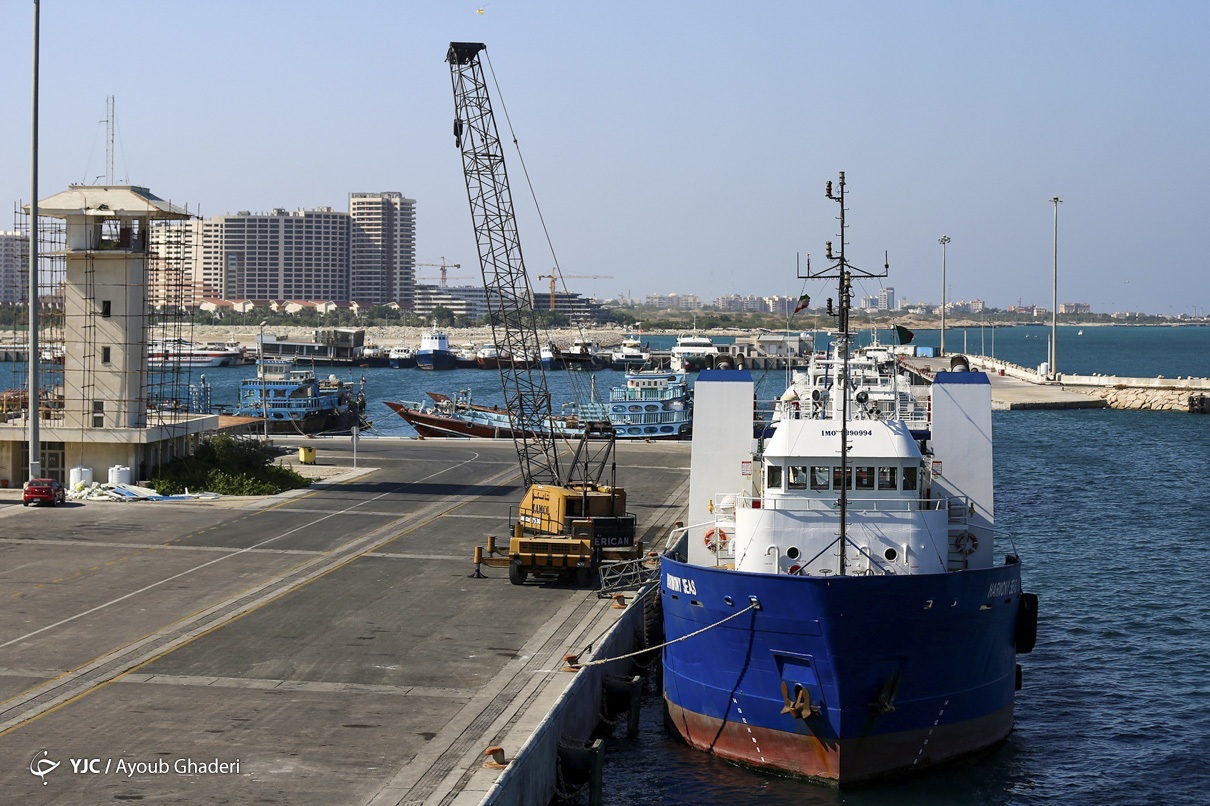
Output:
(737, 614)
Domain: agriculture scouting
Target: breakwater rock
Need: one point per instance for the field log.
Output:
(1146, 399)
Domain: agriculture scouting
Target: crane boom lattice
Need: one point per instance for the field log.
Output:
(509, 296)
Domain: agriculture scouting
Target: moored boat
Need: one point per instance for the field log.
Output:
(175, 352)
(630, 355)
(652, 405)
(834, 610)
(434, 351)
(583, 354)
(401, 357)
(459, 416)
(649, 406)
(293, 400)
(693, 353)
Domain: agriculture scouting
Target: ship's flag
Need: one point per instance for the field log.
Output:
(803, 302)
(904, 334)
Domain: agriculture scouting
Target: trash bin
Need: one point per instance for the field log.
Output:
(306, 455)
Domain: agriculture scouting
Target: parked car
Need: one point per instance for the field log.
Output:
(43, 491)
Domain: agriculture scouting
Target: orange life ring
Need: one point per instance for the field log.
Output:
(718, 544)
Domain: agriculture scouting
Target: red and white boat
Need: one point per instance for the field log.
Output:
(167, 353)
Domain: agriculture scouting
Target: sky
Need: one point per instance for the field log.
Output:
(671, 146)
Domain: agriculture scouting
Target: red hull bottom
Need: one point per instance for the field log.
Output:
(848, 761)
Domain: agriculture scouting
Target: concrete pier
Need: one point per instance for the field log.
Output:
(1017, 387)
(325, 646)
(1011, 392)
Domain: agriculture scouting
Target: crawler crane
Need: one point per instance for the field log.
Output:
(568, 522)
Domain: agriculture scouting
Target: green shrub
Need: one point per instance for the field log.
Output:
(227, 466)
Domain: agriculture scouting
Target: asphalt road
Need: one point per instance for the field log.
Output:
(327, 646)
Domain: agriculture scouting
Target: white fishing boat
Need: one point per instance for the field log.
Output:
(693, 353)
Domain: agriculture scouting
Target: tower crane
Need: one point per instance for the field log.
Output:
(568, 521)
(554, 278)
(444, 267)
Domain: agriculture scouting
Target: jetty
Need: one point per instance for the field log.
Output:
(331, 645)
(1016, 387)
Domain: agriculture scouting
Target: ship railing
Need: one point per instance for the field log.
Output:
(285, 404)
(676, 542)
(648, 418)
(828, 504)
(626, 394)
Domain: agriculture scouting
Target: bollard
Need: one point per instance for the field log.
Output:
(598, 772)
(491, 544)
(478, 562)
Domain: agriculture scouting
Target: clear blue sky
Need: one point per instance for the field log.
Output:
(678, 146)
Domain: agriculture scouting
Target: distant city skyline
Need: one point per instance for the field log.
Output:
(665, 146)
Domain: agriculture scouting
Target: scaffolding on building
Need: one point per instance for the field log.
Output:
(114, 335)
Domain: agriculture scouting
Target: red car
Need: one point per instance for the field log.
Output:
(43, 491)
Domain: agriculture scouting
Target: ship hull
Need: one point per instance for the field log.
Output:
(435, 360)
(431, 423)
(899, 673)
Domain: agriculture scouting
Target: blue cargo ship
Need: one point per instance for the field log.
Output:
(835, 608)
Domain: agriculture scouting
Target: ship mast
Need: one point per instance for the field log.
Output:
(842, 271)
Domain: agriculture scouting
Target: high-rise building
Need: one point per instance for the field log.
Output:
(382, 258)
(367, 254)
(886, 299)
(278, 255)
(14, 267)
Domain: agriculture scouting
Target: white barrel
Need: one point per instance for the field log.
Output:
(119, 474)
(79, 476)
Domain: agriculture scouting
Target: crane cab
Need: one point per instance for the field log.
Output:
(571, 529)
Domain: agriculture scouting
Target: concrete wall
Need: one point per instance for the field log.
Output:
(1146, 394)
(530, 777)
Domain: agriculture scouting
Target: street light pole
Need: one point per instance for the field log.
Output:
(260, 360)
(944, 241)
(1054, 314)
(33, 355)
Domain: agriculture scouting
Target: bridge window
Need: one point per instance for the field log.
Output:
(909, 478)
(798, 478)
(839, 474)
(888, 478)
(865, 477)
(773, 477)
(819, 477)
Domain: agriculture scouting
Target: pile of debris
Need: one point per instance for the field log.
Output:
(97, 491)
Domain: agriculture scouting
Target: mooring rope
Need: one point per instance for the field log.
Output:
(707, 628)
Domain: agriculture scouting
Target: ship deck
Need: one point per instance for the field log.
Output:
(331, 640)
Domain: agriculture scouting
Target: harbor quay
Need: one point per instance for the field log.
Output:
(325, 646)
(1017, 387)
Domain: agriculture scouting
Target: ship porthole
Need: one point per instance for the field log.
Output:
(792, 552)
(729, 601)
(890, 554)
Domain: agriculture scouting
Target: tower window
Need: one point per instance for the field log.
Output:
(106, 309)
(105, 355)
